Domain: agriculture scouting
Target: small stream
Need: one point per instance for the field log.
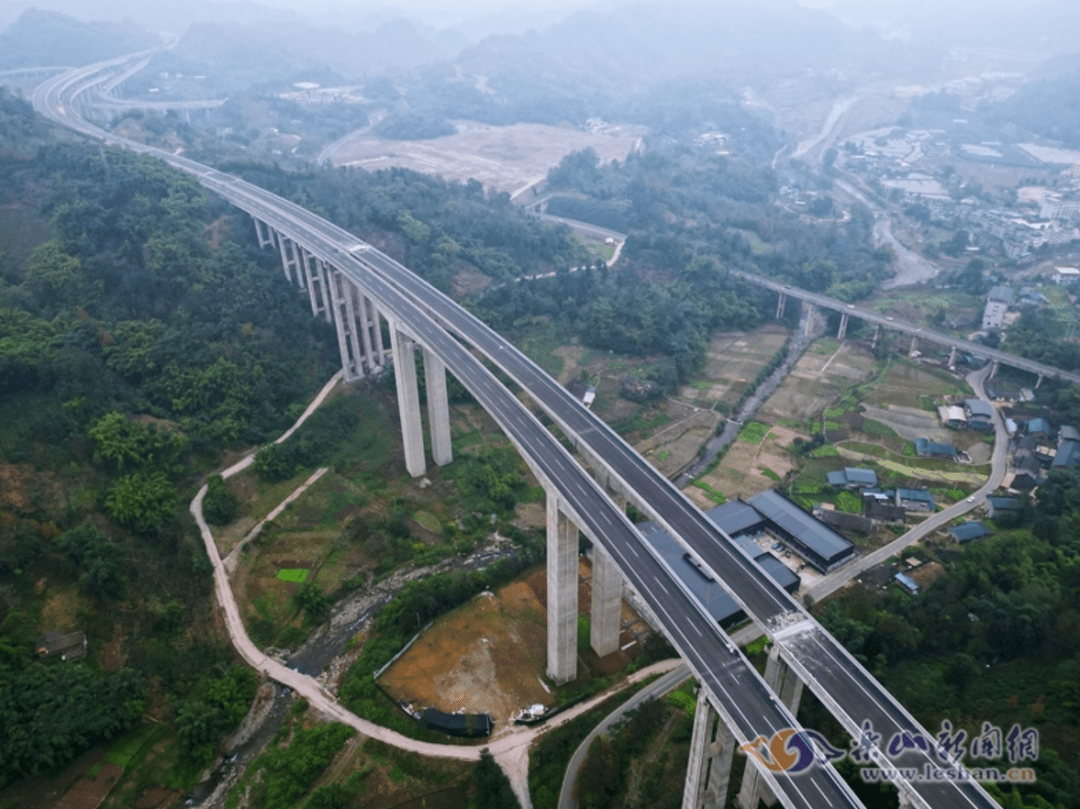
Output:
(319, 651)
(720, 441)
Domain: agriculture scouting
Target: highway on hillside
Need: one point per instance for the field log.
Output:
(921, 332)
(736, 689)
(850, 692)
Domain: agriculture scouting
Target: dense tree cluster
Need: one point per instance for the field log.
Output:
(436, 228)
(1008, 603)
(137, 341)
(313, 443)
(624, 312)
(50, 714)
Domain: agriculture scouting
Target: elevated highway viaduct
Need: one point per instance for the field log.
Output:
(918, 333)
(354, 285)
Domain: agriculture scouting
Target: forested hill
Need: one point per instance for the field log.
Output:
(139, 338)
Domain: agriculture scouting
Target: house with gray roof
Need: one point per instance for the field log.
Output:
(925, 448)
(980, 414)
(915, 500)
(1038, 428)
(853, 477)
(995, 506)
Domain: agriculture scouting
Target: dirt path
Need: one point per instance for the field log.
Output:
(511, 751)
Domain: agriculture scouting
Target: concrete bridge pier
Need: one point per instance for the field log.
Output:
(371, 331)
(320, 273)
(605, 617)
(345, 335)
(288, 255)
(606, 614)
(780, 677)
(843, 326)
(264, 241)
(412, 433)
(914, 346)
(780, 305)
(562, 593)
(309, 268)
(438, 408)
(811, 313)
(1039, 381)
(994, 369)
(876, 337)
(952, 358)
(712, 749)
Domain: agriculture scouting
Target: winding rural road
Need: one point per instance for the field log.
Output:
(511, 750)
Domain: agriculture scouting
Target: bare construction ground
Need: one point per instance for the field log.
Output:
(489, 655)
(484, 657)
(506, 158)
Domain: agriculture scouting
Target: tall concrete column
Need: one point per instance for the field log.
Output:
(315, 285)
(341, 323)
(788, 688)
(780, 301)
(914, 346)
(347, 294)
(412, 432)
(606, 614)
(1039, 381)
(952, 357)
(377, 344)
(438, 405)
(843, 326)
(712, 748)
(259, 227)
(811, 313)
(321, 274)
(877, 336)
(284, 243)
(994, 369)
(562, 593)
(364, 325)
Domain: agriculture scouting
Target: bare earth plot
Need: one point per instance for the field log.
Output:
(483, 657)
(489, 655)
(506, 158)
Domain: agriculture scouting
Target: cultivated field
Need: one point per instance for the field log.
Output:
(505, 158)
(668, 432)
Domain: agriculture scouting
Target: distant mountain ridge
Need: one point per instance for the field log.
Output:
(42, 38)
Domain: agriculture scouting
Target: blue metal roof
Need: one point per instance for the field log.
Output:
(812, 533)
(965, 532)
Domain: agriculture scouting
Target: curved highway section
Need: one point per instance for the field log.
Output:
(737, 691)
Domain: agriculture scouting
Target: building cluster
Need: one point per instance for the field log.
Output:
(768, 515)
(905, 165)
(879, 505)
(1036, 450)
(1005, 304)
